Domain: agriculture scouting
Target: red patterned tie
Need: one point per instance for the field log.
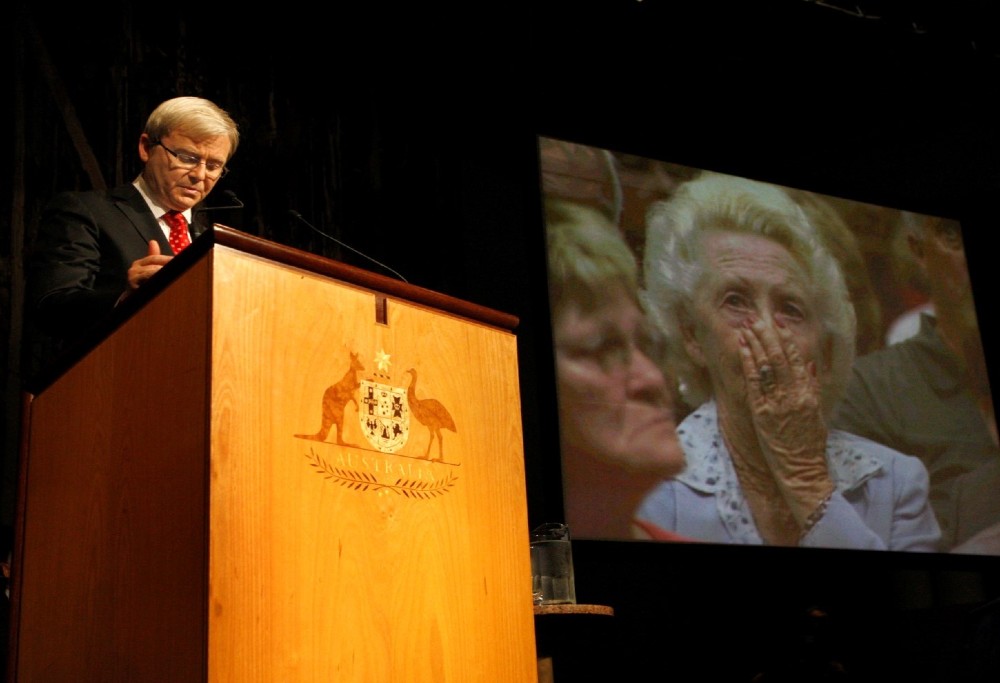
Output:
(178, 230)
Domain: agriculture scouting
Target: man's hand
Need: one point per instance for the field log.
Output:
(146, 267)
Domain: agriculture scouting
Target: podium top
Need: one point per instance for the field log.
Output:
(338, 270)
(225, 236)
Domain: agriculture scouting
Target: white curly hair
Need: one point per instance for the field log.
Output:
(673, 269)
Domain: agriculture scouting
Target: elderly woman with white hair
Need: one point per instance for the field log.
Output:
(762, 331)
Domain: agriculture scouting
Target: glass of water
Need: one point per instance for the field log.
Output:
(552, 580)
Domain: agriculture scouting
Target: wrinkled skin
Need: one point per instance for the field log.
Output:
(755, 309)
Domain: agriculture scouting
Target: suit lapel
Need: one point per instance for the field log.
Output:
(134, 208)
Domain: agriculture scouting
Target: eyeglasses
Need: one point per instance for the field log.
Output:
(213, 169)
(612, 348)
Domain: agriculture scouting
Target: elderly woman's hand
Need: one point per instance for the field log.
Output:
(784, 395)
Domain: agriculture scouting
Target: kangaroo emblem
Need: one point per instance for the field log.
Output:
(335, 400)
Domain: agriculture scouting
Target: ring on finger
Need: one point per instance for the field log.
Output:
(766, 374)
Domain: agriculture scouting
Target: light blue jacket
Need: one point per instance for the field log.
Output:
(880, 500)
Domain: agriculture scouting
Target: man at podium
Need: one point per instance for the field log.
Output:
(95, 247)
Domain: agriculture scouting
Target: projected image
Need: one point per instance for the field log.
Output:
(743, 363)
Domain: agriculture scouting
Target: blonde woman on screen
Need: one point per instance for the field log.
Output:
(616, 406)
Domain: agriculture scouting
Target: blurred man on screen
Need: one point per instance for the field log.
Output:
(929, 395)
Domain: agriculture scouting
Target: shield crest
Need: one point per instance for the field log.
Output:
(384, 416)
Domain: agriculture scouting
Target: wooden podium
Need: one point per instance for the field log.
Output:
(275, 467)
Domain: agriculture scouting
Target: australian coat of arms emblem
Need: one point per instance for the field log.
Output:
(387, 414)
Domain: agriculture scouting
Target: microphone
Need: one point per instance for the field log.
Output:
(231, 196)
(298, 216)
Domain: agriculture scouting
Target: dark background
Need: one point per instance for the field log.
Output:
(409, 133)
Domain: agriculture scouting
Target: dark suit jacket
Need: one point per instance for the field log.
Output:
(79, 262)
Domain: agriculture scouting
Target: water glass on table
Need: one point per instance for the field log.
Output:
(552, 579)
